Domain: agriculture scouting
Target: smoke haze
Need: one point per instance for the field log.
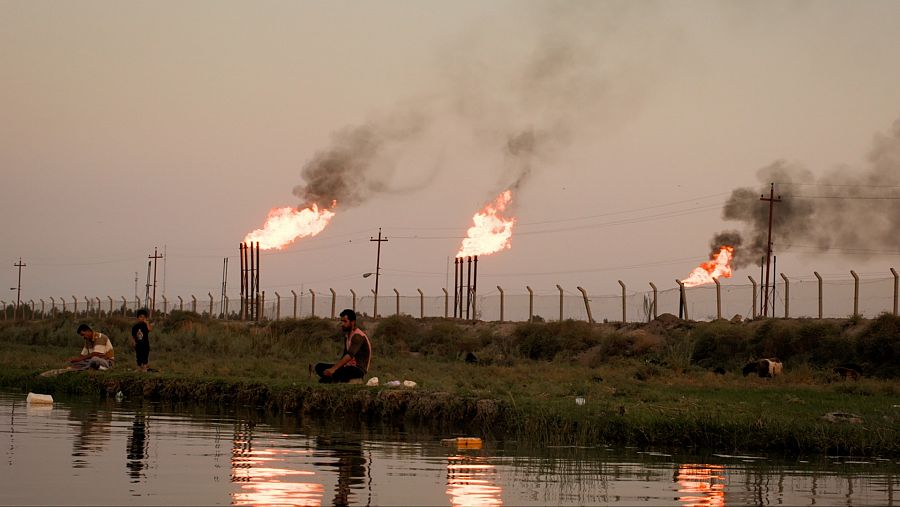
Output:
(523, 103)
(844, 210)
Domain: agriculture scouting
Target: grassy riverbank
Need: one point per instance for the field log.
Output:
(643, 384)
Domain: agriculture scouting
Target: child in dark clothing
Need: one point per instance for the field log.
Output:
(140, 339)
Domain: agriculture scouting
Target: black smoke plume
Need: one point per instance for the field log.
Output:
(844, 210)
(359, 162)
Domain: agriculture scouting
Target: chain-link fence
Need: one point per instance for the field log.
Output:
(790, 297)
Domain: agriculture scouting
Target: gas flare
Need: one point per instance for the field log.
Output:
(719, 265)
(492, 231)
(285, 225)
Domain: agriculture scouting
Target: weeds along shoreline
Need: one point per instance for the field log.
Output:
(643, 385)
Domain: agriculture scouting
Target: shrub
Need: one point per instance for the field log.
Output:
(719, 343)
(537, 341)
(878, 345)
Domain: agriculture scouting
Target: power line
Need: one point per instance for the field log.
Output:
(854, 197)
(836, 185)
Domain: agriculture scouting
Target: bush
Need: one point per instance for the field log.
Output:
(537, 341)
(878, 345)
(720, 343)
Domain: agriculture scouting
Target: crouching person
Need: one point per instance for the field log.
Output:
(97, 353)
(355, 360)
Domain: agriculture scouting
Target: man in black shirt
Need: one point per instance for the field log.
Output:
(140, 339)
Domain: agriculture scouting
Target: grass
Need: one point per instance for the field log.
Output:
(644, 385)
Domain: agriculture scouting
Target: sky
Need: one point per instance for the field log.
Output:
(623, 129)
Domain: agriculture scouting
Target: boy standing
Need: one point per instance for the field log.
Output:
(140, 338)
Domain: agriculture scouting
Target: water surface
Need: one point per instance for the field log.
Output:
(105, 452)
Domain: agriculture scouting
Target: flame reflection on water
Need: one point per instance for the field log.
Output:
(704, 485)
(472, 481)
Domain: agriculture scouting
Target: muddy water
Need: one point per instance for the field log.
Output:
(108, 452)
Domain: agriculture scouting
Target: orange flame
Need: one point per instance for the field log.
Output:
(491, 232)
(718, 265)
(285, 225)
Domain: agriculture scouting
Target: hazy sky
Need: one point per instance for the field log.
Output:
(133, 125)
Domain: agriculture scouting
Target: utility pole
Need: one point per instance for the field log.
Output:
(135, 284)
(155, 256)
(377, 269)
(147, 287)
(19, 265)
(771, 200)
(224, 287)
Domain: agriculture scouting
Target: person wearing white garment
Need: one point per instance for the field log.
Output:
(97, 352)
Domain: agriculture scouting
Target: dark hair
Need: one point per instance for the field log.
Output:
(350, 314)
(84, 327)
(143, 311)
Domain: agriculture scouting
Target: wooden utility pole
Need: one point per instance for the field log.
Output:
(155, 256)
(771, 200)
(19, 265)
(380, 240)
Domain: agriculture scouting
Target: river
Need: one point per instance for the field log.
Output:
(95, 451)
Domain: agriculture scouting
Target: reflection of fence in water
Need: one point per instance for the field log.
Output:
(875, 296)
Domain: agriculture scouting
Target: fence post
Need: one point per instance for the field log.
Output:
(530, 304)
(110, 305)
(718, 298)
(295, 303)
(87, 307)
(375, 304)
(63, 301)
(353, 293)
(166, 305)
(32, 309)
(587, 304)
(819, 278)
(99, 309)
(683, 310)
(210, 304)
(655, 300)
(446, 303)
(624, 316)
(896, 287)
(333, 302)
(855, 293)
(501, 302)
(398, 301)
(137, 303)
(52, 306)
(261, 313)
(313, 302)
(193, 303)
(43, 313)
(180, 304)
(753, 310)
(421, 304)
(74, 306)
(787, 296)
(560, 302)
(277, 305)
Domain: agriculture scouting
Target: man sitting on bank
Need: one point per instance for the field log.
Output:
(97, 353)
(354, 362)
